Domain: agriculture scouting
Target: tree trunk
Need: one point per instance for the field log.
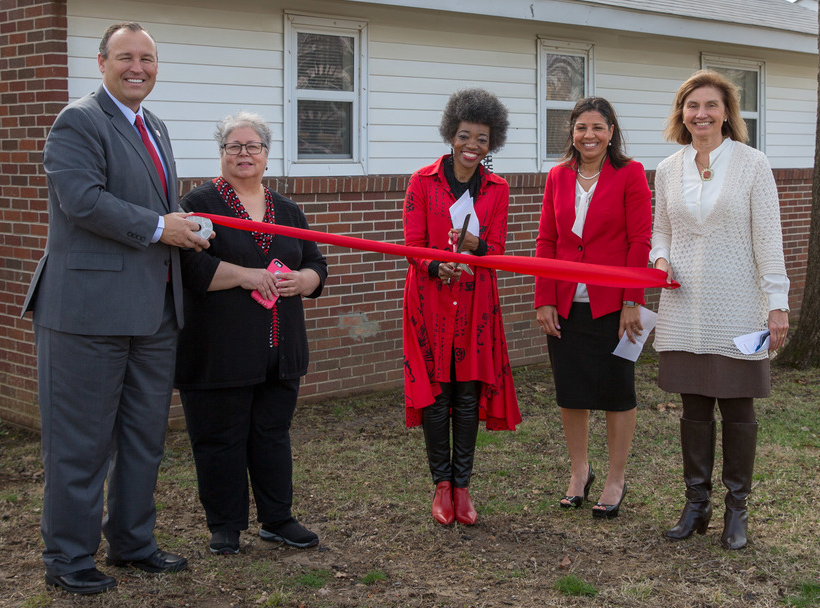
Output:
(803, 350)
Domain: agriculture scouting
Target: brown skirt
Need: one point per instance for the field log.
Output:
(713, 375)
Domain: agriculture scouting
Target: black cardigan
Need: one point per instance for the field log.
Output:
(225, 341)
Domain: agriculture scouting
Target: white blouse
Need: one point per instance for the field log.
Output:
(582, 200)
(700, 197)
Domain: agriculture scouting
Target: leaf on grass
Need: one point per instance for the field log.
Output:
(566, 562)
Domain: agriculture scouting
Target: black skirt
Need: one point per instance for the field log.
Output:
(587, 375)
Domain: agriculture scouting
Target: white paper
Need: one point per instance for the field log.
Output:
(458, 211)
(751, 343)
(630, 351)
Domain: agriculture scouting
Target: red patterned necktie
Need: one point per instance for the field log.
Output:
(152, 151)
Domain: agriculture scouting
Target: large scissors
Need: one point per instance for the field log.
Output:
(461, 237)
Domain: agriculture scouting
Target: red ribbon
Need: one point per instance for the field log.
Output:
(575, 272)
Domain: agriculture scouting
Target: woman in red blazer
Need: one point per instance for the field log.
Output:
(597, 209)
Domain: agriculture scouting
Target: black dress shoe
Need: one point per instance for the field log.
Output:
(82, 582)
(577, 501)
(608, 511)
(158, 561)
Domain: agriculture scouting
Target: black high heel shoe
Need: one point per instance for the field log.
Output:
(608, 511)
(577, 501)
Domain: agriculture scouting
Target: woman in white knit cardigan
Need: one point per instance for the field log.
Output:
(717, 224)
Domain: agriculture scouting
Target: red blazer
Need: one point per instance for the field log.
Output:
(616, 233)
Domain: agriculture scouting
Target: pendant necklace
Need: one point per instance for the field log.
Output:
(707, 173)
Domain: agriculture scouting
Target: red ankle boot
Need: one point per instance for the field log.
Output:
(443, 503)
(465, 512)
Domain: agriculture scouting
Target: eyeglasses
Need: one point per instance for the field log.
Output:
(253, 148)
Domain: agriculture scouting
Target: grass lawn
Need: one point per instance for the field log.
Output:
(362, 483)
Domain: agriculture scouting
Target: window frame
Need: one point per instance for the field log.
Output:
(752, 65)
(548, 46)
(296, 23)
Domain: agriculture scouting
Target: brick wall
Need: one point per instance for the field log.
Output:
(33, 89)
(794, 188)
(355, 327)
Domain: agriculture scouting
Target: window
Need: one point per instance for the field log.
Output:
(563, 79)
(325, 105)
(748, 77)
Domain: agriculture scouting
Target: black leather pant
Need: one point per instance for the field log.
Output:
(460, 398)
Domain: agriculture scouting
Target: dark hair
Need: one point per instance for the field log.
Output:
(734, 127)
(123, 25)
(615, 150)
(477, 106)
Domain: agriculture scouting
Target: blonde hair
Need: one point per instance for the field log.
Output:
(734, 127)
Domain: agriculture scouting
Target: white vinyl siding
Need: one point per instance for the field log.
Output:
(214, 61)
(414, 69)
(791, 114)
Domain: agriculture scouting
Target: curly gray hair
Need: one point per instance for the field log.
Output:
(242, 119)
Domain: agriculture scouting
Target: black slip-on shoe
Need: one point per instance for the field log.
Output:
(82, 582)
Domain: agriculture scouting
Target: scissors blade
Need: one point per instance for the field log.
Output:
(461, 238)
(463, 233)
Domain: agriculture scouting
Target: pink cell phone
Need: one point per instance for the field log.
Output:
(276, 267)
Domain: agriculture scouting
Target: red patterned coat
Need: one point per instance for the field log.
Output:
(462, 318)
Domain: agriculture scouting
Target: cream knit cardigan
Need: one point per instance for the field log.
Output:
(718, 262)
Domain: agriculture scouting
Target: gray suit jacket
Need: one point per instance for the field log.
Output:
(100, 273)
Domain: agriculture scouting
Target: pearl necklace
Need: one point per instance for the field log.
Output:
(578, 171)
(591, 176)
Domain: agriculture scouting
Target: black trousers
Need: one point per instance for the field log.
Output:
(459, 401)
(236, 432)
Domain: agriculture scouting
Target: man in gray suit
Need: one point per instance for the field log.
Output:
(107, 302)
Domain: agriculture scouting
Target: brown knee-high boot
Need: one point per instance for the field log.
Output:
(697, 440)
(739, 446)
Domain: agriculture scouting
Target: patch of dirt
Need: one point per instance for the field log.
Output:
(362, 484)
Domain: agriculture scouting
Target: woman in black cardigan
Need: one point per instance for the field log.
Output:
(239, 362)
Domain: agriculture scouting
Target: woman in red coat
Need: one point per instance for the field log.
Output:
(455, 354)
(597, 210)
